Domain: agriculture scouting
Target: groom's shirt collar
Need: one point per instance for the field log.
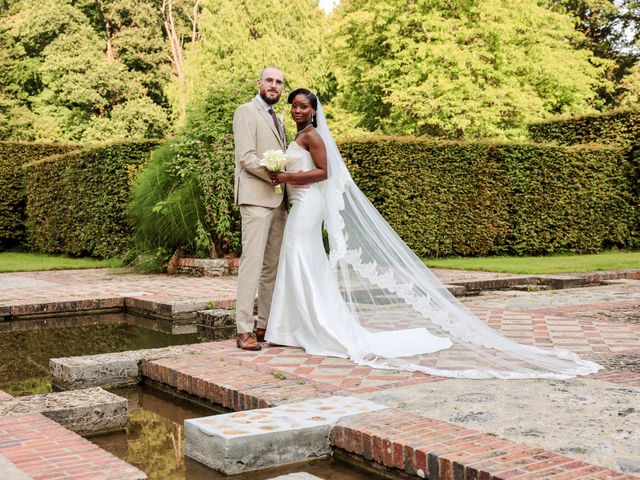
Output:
(264, 104)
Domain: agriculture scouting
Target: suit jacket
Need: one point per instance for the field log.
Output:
(254, 133)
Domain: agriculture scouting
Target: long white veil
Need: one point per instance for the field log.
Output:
(387, 287)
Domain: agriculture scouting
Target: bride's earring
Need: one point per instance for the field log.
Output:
(313, 118)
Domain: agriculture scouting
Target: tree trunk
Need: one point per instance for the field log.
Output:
(107, 28)
(177, 54)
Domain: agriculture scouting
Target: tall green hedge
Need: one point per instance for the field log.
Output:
(448, 198)
(12, 185)
(621, 128)
(77, 202)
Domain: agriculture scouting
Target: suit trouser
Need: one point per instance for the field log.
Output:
(262, 232)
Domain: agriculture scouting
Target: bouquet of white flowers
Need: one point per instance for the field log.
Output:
(275, 161)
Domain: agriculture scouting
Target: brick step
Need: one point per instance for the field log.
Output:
(438, 450)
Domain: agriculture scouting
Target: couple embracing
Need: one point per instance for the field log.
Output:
(371, 300)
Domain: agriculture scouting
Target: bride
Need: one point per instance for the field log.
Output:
(372, 300)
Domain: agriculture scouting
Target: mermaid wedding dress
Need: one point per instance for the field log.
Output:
(372, 300)
(307, 309)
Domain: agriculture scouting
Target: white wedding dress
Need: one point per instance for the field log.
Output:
(373, 300)
(308, 309)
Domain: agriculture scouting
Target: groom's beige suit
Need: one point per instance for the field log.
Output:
(263, 211)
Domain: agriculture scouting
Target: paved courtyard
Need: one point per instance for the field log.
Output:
(589, 427)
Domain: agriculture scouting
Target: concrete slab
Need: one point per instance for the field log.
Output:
(250, 440)
(88, 411)
(108, 370)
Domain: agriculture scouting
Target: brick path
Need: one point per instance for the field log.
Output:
(29, 288)
(407, 438)
(44, 450)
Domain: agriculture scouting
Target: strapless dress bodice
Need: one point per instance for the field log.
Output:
(299, 158)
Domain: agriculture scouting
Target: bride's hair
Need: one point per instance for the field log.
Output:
(310, 96)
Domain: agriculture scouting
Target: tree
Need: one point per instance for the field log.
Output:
(72, 67)
(612, 32)
(459, 69)
(240, 37)
(629, 91)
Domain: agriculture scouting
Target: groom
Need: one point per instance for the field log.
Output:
(255, 130)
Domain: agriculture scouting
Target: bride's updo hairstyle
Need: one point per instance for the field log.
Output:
(310, 96)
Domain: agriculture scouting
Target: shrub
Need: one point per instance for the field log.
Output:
(77, 201)
(620, 127)
(12, 185)
(479, 198)
(184, 198)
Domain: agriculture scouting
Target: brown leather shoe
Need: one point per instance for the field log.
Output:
(246, 341)
(260, 333)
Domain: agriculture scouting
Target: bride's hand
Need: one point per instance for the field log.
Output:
(279, 178)
(293, 183)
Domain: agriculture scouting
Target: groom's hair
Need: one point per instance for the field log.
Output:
(310, 95)
(269, 68)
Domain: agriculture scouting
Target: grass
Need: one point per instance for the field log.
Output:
(27, 262)
(613, 260)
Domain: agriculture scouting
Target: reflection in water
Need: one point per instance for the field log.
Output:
(154, 442)
(24, 355)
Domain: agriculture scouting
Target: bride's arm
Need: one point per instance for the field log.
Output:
(314, 144)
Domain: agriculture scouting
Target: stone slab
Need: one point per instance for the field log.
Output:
(5, 396)
(217, 318)
(88, 411)
(250, 440)
(108, 370)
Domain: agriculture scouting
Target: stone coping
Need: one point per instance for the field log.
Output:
(243, 441)
(88, 411)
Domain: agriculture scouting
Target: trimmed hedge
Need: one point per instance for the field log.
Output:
(77, 202)
(620, 127)
(13, 198)
(478, 198)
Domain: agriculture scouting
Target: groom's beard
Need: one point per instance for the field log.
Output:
(270, 97)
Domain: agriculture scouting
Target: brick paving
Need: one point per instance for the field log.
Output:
(44, 450)
(402, 438)
(22, 289)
